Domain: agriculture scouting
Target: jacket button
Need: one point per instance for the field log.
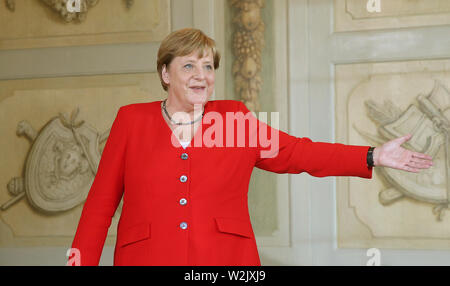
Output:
(183, 201)
(183, 179)
(184, 156)
(183, 225)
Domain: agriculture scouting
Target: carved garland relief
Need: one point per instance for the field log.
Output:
(248, 42)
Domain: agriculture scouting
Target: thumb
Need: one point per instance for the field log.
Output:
(405, 138)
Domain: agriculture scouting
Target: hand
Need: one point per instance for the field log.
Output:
(392, 155)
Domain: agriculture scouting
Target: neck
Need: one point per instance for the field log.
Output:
(193, 111)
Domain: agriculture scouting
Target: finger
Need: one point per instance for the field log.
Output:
(405, 138)
(421, 161)
(411, 169)
(422, 156)
(419, 165)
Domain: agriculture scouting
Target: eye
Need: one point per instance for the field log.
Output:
(188, 66)
(209, 67)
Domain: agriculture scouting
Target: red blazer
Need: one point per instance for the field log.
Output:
(189, 206)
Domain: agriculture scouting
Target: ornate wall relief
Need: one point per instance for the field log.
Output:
(61, 164)
(48, 23)
(428, 121)
(61, 7)
(353, 15)
(383, 101)
(268, 196)
(248, 42)
(44, 180)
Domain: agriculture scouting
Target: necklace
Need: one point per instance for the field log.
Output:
(179, 123)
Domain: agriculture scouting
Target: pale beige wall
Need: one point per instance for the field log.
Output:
(34, 24)
(49, 67)
(42, 75)
(379, 101)
(353, 56)
(97, 65)
(317, 63)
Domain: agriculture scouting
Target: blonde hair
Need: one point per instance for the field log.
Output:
(182, 43)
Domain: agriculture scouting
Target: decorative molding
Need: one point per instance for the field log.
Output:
(352, 15)
(35, 24)
(48, 211)
(11, 5)
(115, 59)
(377, 102)
(430, 128)
(60, 6)
(248, 42)
(60, 166)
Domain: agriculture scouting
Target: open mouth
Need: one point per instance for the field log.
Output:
(198, 88)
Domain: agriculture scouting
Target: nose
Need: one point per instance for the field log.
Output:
(199, 73)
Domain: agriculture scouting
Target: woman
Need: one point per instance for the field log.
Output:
(187, 205)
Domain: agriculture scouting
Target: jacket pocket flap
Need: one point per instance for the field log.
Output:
(134, 234)
(235, 226)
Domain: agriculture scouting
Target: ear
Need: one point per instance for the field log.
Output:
(165, 75)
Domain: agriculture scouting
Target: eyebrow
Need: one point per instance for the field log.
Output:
(192, 61)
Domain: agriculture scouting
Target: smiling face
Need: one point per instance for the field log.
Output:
(190, 80)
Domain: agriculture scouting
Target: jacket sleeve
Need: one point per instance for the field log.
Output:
(104, 195)
(283, 153)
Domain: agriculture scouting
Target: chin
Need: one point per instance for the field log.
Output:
(198, 99)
